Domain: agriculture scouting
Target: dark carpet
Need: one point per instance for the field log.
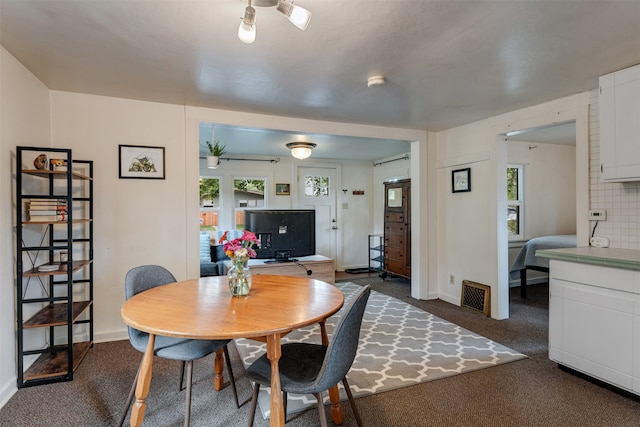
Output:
(529, 392)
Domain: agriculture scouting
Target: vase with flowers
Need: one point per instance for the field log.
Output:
(239, 251)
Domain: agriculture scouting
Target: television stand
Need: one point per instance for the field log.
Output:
(321, 267)
(279, 260)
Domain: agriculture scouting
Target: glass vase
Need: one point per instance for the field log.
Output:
(239, 277)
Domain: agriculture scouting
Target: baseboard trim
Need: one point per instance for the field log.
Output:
(8, 390)
(111, 336)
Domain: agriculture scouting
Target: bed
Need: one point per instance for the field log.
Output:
(527, 259)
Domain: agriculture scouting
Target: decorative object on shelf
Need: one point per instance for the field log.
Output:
(239, 251)
(49, 267)
(139, 161)
(40, 162)
(216, 150)
(298, 16)
(283, 189)
(301, 150)
(58, 164)
(461, 180)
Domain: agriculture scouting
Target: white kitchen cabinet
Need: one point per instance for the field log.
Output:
(594, 321)
(620, 125)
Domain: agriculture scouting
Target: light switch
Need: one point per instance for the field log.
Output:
(345, 206)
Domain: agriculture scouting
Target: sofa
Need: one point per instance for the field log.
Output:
(212, 254)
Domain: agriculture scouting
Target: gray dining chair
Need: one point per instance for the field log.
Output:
(145, 277)
(314, 368)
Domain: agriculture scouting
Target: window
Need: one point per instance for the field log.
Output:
(247, 193)
(209, 203)
(316, 186)
(515, 202)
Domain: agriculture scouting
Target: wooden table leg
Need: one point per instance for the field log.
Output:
(142, 387)
(218, 368)
(274, 351)
(334, 393)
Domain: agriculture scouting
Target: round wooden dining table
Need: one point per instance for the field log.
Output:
(204, 309)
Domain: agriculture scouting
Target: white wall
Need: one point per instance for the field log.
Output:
(549, 187)
(136, 221)
(471, 237)
(24, 120)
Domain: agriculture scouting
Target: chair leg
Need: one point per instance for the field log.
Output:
(352, 401)
(187, 413)
(182, 375)
(284, 405)
(254, 402)
(129, 399)
(323, 416)
(232, 379)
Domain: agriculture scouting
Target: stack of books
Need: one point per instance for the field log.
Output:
(46, 210)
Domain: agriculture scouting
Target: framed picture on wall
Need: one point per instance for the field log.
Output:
(282, 190)
(461, 180)
(141, 161)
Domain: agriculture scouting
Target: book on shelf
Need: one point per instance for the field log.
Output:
(47, 218)
(47, 201)
(46, 210)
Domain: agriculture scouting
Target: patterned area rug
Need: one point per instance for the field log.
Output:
(400, 345)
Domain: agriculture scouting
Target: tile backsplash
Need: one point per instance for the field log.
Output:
(620, 200)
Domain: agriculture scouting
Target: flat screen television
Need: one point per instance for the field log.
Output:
(283, 234)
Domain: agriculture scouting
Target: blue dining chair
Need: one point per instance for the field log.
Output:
(314, 368)
(145, 277)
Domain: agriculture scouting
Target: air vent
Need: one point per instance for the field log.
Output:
(476, 297)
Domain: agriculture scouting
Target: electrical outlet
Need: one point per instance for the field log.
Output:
(600, 242)
(597, 215)
(452, 279)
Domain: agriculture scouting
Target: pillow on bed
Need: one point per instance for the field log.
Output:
(205, 246)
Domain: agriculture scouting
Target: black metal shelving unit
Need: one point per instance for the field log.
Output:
(54, 296)
(376, 252)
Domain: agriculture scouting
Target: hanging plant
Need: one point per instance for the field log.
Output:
(216, 149)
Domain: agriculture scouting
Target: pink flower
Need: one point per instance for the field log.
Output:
(242, 246)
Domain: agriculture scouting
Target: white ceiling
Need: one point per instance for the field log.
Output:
(446, 63)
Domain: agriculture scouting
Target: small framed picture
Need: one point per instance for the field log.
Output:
(140, 161)
(282, 190)
(461, 180)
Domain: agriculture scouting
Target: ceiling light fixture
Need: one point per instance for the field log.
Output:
(374, 81)
(247, 29)
(298, 16)
(301, 150)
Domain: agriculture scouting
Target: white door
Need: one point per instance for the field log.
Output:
(317, 190)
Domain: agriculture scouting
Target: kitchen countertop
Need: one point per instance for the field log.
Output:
(607, 257)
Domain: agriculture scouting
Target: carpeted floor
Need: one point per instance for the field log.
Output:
(400, 346)
(530, 392)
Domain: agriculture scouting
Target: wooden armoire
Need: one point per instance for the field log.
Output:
(397, 228)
